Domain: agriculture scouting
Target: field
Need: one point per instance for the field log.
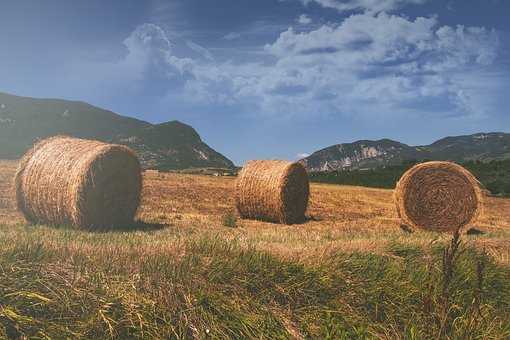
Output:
(191, 269)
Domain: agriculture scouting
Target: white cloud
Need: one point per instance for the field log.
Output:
(200, 50)
(149, 66)
(366, 5)
(149, 47)
(302, 155)
(370, 64)
(304, 19)
(383, 41)
(232, 36)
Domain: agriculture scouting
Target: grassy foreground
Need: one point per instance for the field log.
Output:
(194, 270)
(120, 286)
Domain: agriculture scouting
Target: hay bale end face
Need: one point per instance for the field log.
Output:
(273, 191)
(438, 196)
(83, 183)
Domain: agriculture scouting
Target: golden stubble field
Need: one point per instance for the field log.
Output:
(342, 218)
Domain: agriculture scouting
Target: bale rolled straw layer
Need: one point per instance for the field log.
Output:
(273, 191)
(83, 183)
(438, 196)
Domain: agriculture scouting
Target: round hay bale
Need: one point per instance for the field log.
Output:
(273, 191)
(438, 196)
(83, 183)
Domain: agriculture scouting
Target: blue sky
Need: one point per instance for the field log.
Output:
(270, 78)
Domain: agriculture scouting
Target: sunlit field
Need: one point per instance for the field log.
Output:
(190, 268)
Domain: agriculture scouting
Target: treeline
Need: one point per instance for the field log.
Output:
(494, 175)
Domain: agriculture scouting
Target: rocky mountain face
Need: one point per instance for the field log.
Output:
(367, 154)
(166, 146)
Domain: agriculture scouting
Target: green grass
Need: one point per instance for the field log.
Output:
(229, 220)
(70, 284)
(494, 175)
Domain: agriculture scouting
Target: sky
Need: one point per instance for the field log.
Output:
(270, 79)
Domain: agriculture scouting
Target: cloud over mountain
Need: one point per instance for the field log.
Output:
(387, 60)
(367, 5)
(366, 64)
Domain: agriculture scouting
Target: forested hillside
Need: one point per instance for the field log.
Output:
(494, 175)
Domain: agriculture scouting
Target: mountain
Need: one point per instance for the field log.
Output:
(372, 154)
(166, 146)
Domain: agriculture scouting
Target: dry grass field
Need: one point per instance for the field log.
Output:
(342, 218)
(183, 273)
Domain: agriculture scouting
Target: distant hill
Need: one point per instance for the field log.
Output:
(368, 154)
(166, 146)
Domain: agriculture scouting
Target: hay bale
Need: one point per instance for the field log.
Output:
(83, 183)
(273, 191)
(438, 196)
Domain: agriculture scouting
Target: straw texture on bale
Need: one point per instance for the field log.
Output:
(83, 183)
(273, 191)
(438, 196)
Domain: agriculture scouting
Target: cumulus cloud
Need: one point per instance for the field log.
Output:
(304, 19)
(383, 59)
(369, 64)
(204, 52)
(364, 5)
(388, 42)
(149, 47)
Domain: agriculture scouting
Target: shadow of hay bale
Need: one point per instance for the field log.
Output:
(313, 218)
(137, 226)
(475, 231)
(407, 229)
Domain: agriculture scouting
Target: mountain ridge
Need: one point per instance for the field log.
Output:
(170, 145)
(368, 154)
